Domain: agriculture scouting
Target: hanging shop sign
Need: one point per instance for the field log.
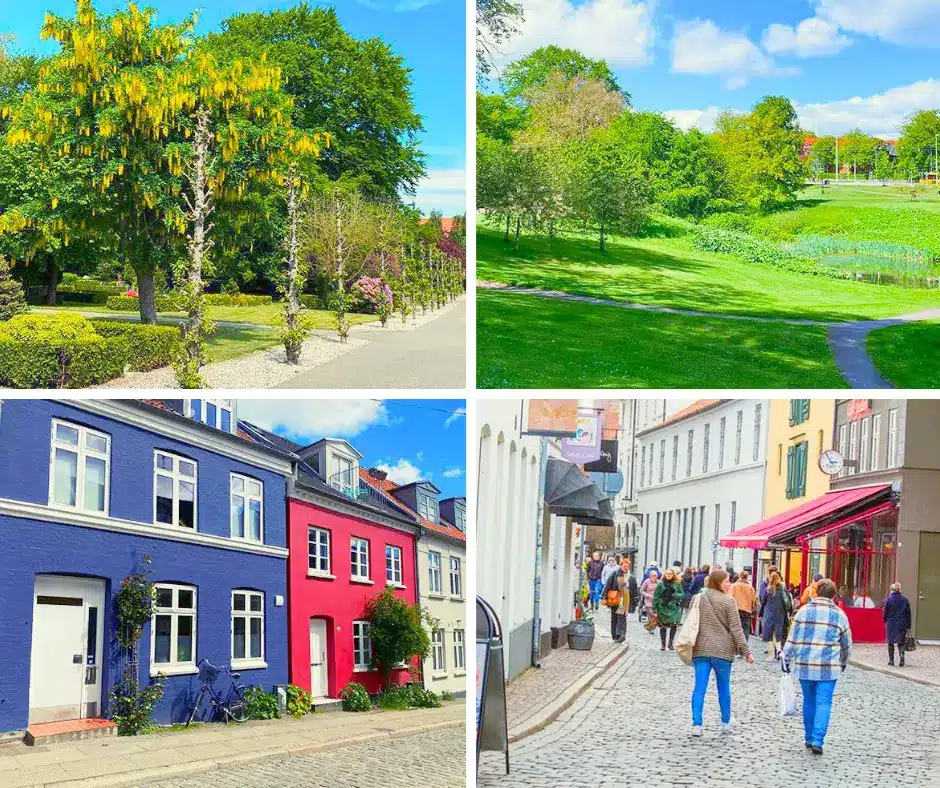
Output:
(552, 418)
(585, 445)
(856, 408)
(492, 725)
(607, 462)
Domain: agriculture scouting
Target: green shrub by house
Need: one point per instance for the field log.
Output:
(261, 705)
(122, 303)
(65, 350)
(355, 698)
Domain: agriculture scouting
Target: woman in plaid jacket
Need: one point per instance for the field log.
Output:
(816, 652)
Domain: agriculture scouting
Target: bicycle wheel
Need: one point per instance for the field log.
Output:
(238, 711)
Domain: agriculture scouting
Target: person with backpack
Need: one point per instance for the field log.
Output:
(616, 596)
(774, 616)
(719, 639)
(667, 604)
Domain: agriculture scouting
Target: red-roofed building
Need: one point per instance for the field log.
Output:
(447, 224)
(845, 163)
(442, 556)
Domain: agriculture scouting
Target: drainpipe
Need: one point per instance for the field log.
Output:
(418, 536)
(537, 592)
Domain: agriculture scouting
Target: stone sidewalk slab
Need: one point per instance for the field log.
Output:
(922, 666)
(113, 763)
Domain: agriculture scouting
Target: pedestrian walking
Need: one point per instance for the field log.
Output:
(595, 569)
(811, 590)
(719, 639)
(687, 577)
(698, 582)
(653, 567)
(647, 590)
(762, 594)
(897, 617)
(732, 575)
(774, 617)
(745, 597)
(667, 604)
(816, 653)
(609, 568)
(616, 594)
(634, 593)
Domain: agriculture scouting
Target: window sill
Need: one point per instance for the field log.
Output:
(399, 586)
(363, 580)
(361, 669)
(248, 664)
(320, 575)
(439, 676)
(173, 670)
(436, 596)
(459, 673)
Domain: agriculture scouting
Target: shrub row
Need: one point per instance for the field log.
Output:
(753, 250)
(130, 304)
(67, 351)
(237, 299)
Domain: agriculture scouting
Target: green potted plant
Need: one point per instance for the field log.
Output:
(581, 630)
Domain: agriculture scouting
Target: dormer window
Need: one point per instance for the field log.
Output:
(344, 473)
(427, 506)
(460, 517)
(218, 413)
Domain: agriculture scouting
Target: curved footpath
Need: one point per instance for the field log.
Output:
(846, 340)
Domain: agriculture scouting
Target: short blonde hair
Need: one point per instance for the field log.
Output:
(895, 586)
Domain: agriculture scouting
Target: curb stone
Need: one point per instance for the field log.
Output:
(567, 697)
(894, 674)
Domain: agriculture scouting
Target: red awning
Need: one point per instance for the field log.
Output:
(759, 535)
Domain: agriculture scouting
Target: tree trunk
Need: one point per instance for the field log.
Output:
(145, 296)
(516, 245)
(293, 345)
(404, 287)
(603, 247)
(342, 326)
(52, 282)
(506, 236)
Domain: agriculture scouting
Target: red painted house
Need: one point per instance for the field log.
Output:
(347, 542)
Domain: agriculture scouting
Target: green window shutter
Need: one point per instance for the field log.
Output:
(793, 412)
(802, 468)
(805, 411)
(790, 467)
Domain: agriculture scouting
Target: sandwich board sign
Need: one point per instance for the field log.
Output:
(492, 728)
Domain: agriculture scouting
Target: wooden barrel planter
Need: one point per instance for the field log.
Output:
(581, 635)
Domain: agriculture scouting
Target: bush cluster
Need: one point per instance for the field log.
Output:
(261, 705)
(125, 303)
(409, 696)
(355, 698)
(66, 350)
(728, 220)
(85, 290)
(237, 299)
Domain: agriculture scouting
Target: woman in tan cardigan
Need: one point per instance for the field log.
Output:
(720, 638)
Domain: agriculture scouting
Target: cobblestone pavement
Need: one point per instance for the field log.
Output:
(633, 727)
(435, 759)
(561, 667)
(922, 664)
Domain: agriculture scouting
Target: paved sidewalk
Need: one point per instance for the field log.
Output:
(126, 761)
(922, 665)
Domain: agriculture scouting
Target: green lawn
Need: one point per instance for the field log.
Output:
(908, 355)
(257, 315)
(666, 272)
(872, 196)
(532, 342)
(225, 343)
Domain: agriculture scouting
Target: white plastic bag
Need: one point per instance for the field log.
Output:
(787, 696)
(685, 641)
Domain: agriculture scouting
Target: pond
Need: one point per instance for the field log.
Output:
(885, 270)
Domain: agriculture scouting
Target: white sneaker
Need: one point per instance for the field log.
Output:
(697, 730)
(770, 659)
(727, 727)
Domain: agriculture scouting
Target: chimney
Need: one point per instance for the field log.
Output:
(378, 474)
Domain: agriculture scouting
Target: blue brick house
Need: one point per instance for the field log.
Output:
(90, 487)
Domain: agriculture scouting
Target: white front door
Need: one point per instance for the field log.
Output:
(318, 661)
(67, 648)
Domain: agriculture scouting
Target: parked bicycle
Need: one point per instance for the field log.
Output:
(231, 707)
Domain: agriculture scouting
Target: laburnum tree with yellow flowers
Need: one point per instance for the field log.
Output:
(124, 95)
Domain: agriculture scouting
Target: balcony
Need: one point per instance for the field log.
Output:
(351, 486)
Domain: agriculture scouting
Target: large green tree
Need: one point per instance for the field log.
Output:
(918, 144)
(497, 22)
(822, 155)
(358, 89)
(857, 151)
(535, 69)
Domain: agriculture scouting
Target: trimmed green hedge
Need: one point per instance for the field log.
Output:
(131, 304)
(68, 351)
(237, 299)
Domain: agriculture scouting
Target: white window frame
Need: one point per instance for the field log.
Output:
(892, 438)
(83, 453)
(864, 455)
(757, 425)
(460, 517)
(358, 546)
(460, 650)
(642, 466)
(675, 456)
(875, 463)
(427, 506)
(248, 614)
(662, 460)
(705, 436)
(738, 435)
(318, 570)
(688, 454)
(176, 477)
(438, 651)
(362, 653)
(650, 481)
(853, 444)
(202, 414)
(721, 442)
(843, 444)
(434, 573)
(455, 575)
(249, 497)
(175, 612)
(397, 578)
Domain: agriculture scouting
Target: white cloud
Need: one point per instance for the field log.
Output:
(396, 5)
(701, 47)
(905, 22)
(453, 473)
(880, 115)
(618, 31)
(442, 190)
(305, 420)
(810, 38)
(459, 413)
(403, 471)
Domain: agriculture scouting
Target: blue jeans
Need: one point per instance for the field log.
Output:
(703, 668)
(817, 705)
(596, 587)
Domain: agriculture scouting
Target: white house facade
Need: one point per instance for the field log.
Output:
(699, 476)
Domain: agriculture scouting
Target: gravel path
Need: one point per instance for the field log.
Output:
(260, 370)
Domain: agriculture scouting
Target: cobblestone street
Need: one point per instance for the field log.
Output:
(435, 759)
(633, 727)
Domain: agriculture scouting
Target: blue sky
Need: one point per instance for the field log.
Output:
(411, 439)
(844, 63)
(429, 34)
